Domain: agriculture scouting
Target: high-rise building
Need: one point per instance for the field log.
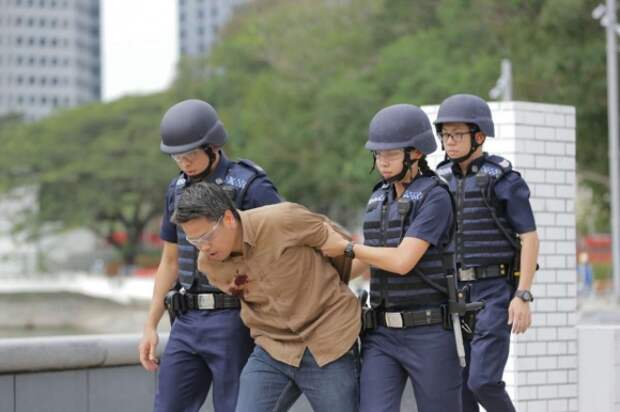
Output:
(200, 21)
(49, 55)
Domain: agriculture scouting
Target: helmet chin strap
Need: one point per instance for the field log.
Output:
(407, 163)
(474, 146)
(212, 157)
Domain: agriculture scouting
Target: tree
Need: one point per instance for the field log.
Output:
(97, 166)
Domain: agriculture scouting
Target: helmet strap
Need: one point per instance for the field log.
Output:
(212, 157)
(407, 163)
(474, 146)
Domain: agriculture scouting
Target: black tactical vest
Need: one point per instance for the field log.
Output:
(385, 223)
(479, 240)
(236, 181)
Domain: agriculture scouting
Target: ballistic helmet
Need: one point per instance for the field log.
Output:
(190, 124)
(401, 126)
(466, 108)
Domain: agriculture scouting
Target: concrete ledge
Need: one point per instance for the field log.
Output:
(70, 352)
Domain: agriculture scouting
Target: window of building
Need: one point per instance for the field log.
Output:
(19, 80)
(18, 40)
(18, 21)
(30, 41)
(31, 80)
(214, 11)
(42, 41)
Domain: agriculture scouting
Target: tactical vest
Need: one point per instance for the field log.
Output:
(385, 223)
(479, 239)
(236, 181)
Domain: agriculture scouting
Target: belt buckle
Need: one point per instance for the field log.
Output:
(206, 301)
(394, 320)
(466, 275)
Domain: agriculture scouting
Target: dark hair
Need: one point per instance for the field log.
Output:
(423, 166)
(202, 200)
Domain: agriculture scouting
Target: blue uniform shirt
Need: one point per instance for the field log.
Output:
(433, 220)
(261, 192)
(512, 192)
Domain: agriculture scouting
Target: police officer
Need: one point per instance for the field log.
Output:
(407, 228)
(208, 342)
(496, 244)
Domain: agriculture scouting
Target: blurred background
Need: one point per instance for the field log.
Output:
(84, 83)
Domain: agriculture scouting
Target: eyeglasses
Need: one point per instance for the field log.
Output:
(387, 155)
(187, 156)
(456, 136)
(205, 237)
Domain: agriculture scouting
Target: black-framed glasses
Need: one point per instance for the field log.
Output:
(205, 237)
(456, 136)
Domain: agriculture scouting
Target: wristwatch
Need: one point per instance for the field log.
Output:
(348, 250)
(524, 295)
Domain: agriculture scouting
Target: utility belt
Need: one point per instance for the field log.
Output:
(371, 318)
(179, 302)
(406, 319)
(485, 272)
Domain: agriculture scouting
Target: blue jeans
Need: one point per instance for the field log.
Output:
(425, 354)
(204, 346)
(487, 352)
(269, 385)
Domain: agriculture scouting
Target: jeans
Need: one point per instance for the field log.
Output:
(269, 385)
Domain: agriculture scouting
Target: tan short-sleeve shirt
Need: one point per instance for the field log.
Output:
(291, 296)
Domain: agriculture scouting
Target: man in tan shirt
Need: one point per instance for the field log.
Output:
(304, 320)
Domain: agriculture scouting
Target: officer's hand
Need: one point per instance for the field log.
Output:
(147, 349)
(519, 315)
(335, 243)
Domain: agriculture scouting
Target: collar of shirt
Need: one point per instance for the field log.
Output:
(476, 162)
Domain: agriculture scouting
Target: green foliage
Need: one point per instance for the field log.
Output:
(297, 83)
(97, 166)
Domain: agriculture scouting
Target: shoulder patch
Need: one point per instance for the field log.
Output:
(376, 197)
(181, 181)
(413, 195)
(490, 170)
(235, 181)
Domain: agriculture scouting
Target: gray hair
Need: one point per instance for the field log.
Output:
(202, 200)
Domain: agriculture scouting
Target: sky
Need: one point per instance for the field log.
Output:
(139, 46)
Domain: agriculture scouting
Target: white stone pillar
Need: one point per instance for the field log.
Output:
(539, 140)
